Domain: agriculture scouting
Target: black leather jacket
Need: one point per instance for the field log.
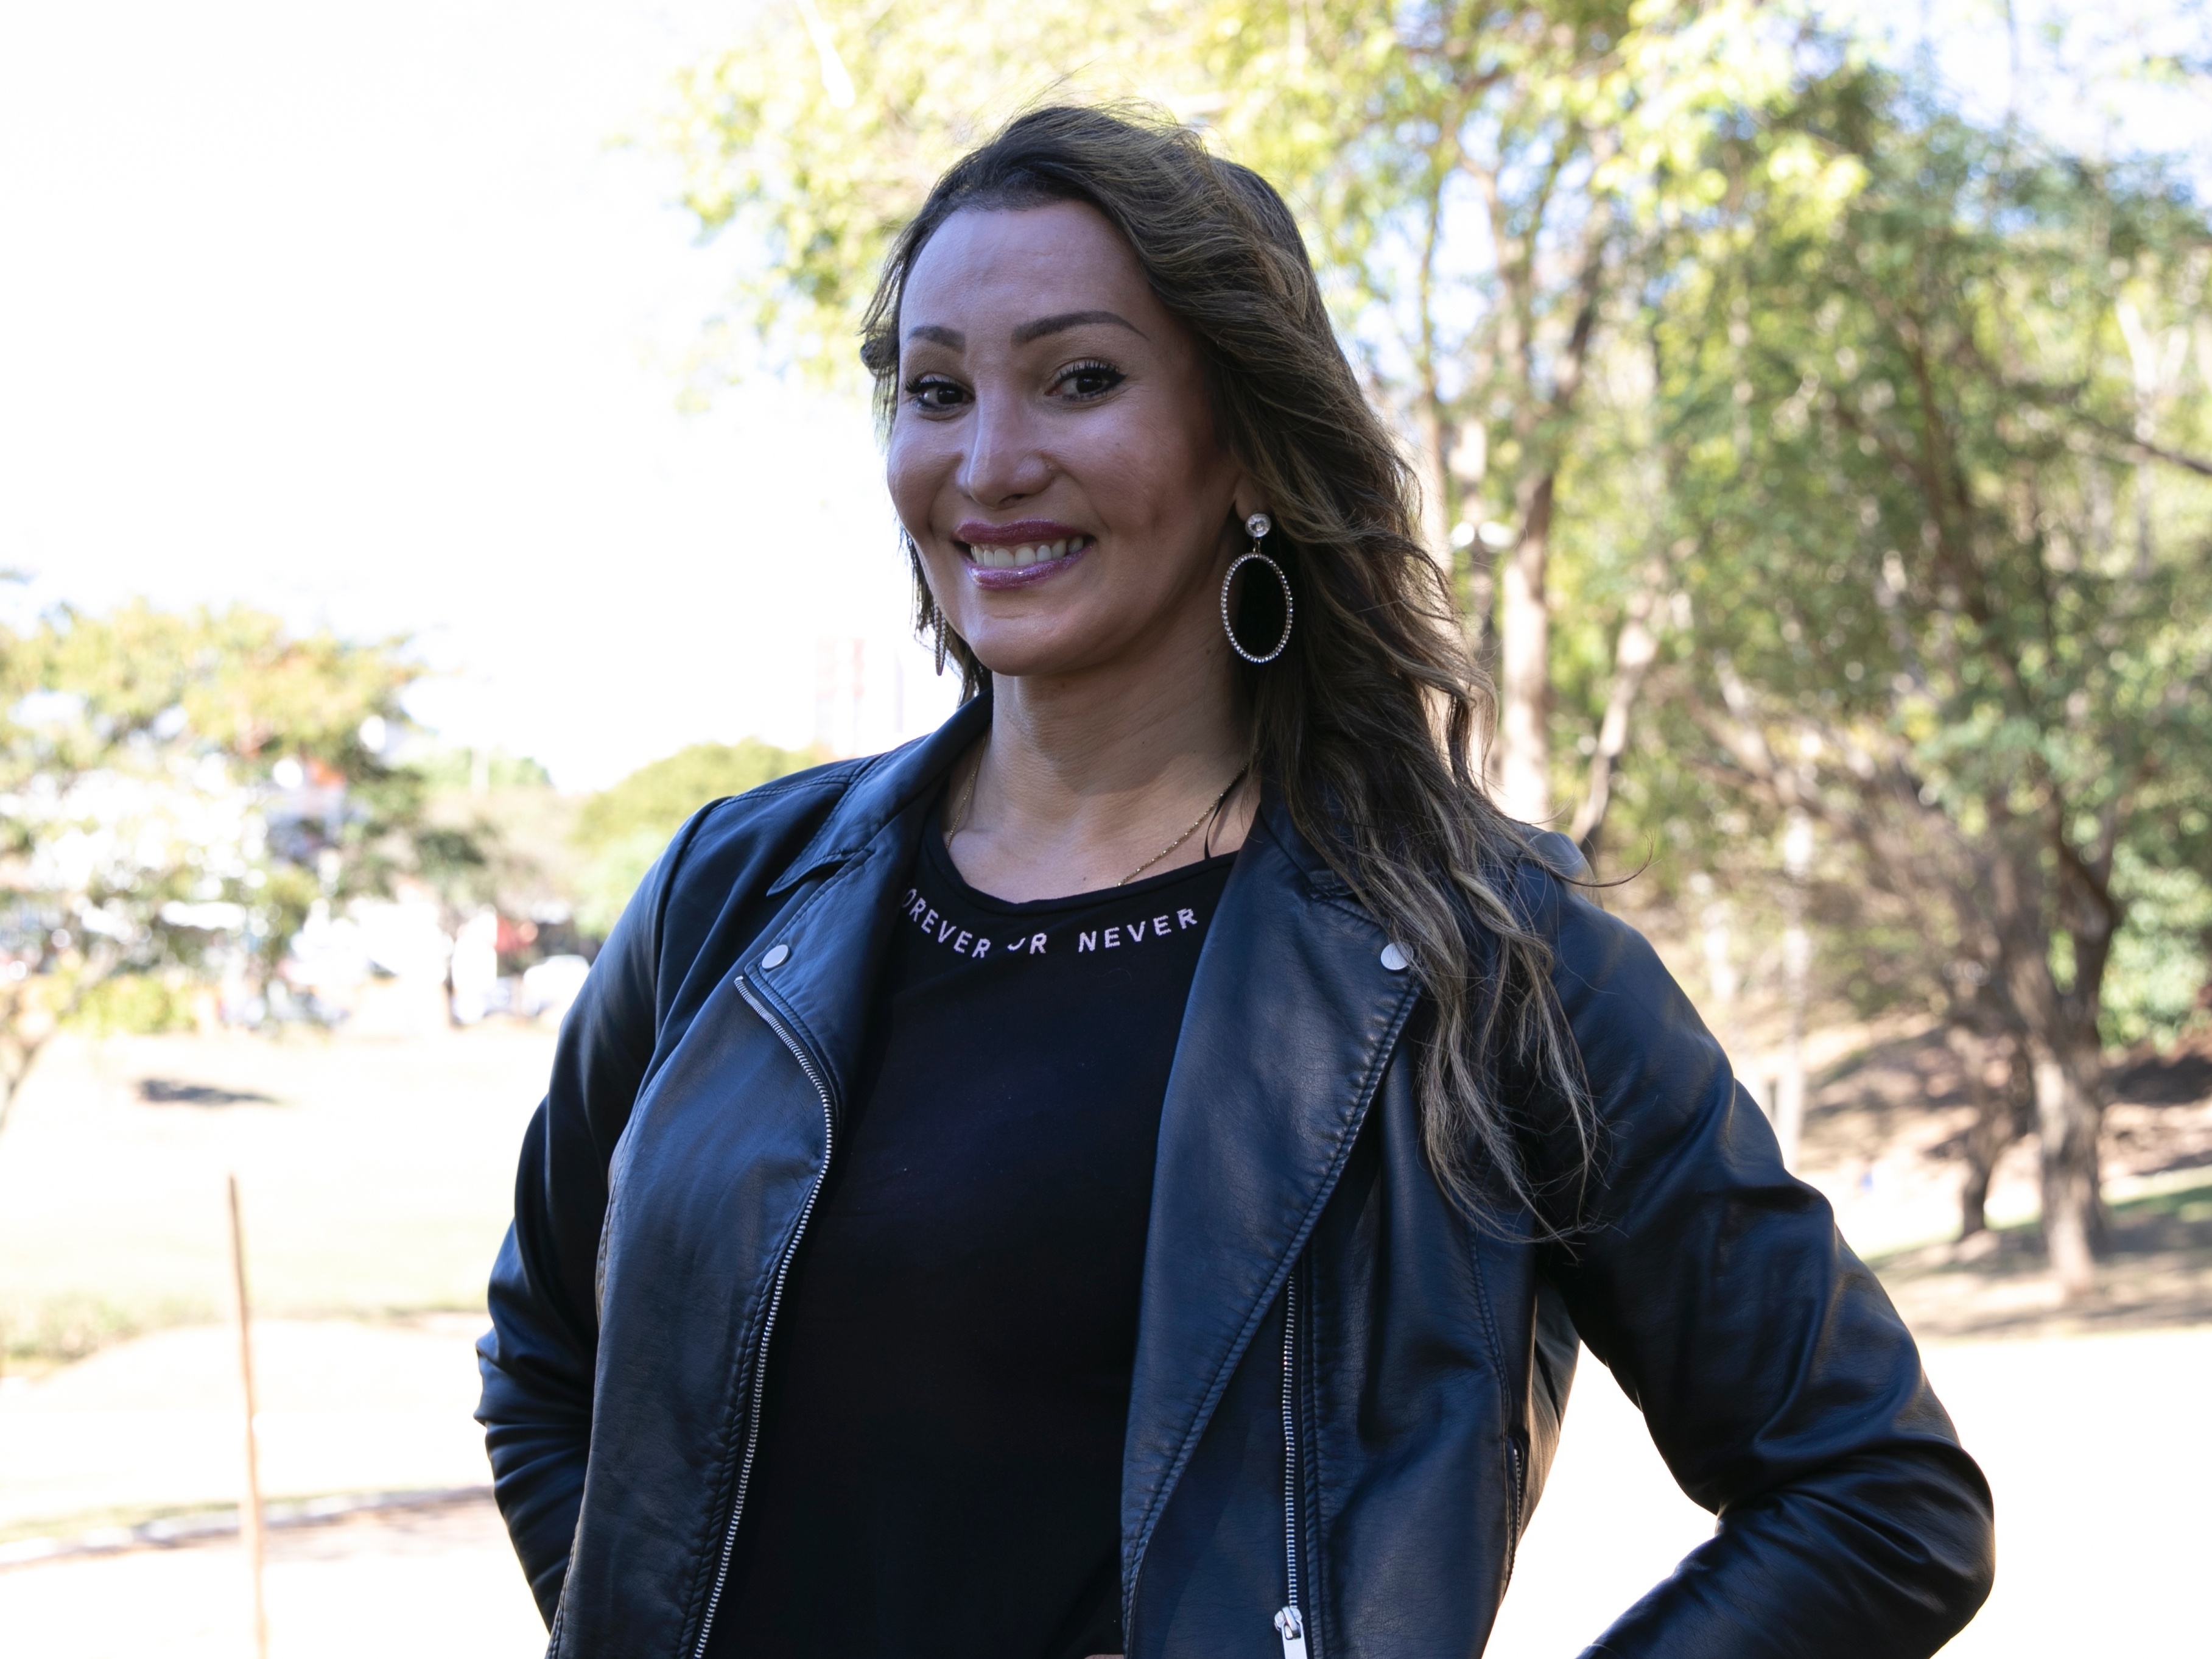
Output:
(1413, 1391)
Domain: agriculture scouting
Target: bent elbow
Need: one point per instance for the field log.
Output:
(1963, 1555)
(1926, 1533)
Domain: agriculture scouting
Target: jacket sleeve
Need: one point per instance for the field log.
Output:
(538, 1357)
(1777, 1381)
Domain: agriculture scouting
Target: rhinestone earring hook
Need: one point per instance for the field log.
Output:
(1257, 526)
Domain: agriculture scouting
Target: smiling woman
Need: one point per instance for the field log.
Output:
(1128, 1172)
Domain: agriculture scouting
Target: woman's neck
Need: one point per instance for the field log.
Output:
(1083, 777)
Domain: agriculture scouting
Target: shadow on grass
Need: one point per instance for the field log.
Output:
(2155, 1270)
(2177, 1079)
(168, 1091)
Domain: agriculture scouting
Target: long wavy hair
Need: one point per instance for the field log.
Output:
(1371, 722)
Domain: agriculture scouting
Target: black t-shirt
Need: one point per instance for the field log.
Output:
(939, 1467)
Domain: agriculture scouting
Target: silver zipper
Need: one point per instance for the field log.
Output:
(1290, 1623)
(1520, 1504)
(800, 1052)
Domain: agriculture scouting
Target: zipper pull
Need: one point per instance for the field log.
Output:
(1293, 1630)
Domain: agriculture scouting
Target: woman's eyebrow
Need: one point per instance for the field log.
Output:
(929, 330)
(1044, 326)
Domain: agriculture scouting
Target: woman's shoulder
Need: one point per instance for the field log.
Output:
(1598, 960)
(779, 805)
(751, 838)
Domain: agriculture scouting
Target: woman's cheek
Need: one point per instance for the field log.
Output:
(908, 472)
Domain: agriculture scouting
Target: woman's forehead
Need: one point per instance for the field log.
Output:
(997, 268)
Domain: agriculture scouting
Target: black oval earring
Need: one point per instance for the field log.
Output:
(1257, 526)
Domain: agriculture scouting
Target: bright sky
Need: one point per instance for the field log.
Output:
(2067, 70)
(351, 312)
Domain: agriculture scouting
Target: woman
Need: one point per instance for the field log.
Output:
(1127, 1171)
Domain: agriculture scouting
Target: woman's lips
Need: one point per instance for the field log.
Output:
(997, 565)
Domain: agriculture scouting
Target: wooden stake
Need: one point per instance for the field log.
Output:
(249, 1514)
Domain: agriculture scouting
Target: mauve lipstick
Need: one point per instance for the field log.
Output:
(1021, 533)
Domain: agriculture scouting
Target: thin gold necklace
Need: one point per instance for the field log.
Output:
(967, 802)
(1192, 831)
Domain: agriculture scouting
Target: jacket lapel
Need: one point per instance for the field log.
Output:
(1291, 1019)
(833, 935)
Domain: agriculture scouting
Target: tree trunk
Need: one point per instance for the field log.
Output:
(1469, 465)
(2064, 1058)
(12, 1077)
(25, 1028)
(1435, 488)
(1634, 650)
(1524, 753)
(2069, 1110)
(2001, 1116)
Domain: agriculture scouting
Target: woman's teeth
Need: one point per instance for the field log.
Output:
(1020, 559)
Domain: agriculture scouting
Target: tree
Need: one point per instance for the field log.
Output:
(1925, 613)
(623, 828)
(179, 789)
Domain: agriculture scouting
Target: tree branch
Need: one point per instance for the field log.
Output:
(2143, 449)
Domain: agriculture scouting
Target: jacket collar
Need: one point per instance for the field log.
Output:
(884, 788)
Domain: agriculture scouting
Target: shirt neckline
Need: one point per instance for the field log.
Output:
(941, 865)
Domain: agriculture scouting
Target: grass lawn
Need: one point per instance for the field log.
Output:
(377, 1176)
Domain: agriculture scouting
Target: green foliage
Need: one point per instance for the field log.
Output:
(134, 1005)
(816, 147)
(623, 828)
(63, 1329)
(177, 790)
(242, 684)
(481, 770)
(2155, 987)
(1946, 596)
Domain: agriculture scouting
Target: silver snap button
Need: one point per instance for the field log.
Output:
(777, 956)
(1394, 959)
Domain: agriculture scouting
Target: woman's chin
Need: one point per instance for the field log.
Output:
(1035, 647)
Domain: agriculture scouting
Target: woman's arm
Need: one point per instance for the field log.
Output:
(538, 1359)
(1777, 1381)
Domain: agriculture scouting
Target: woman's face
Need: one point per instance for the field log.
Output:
(1055, 453)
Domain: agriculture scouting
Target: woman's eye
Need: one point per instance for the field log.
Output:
(1088, 380)
(936, 395)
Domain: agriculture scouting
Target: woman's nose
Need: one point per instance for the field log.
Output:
(1005, 460)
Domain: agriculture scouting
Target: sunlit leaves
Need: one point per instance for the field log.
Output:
(176, 783)
(1929, 403)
